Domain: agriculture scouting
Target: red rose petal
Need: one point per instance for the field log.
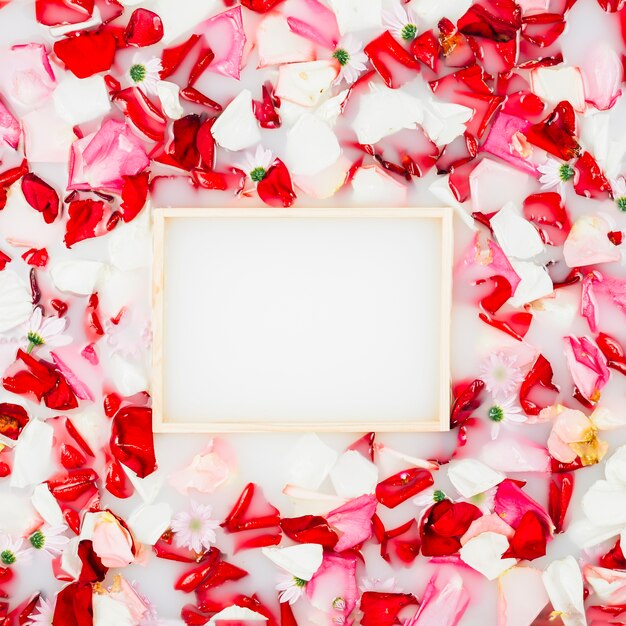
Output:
(560, 495)
(4, 260)
(386, 55)
(589, 180)
(276, 188)
(134, 195)
(132, 442)
(260, 6)
(546, 210)
(58, 12)
(265, 110)
(540, 375)
(73, 606)
(310, 529)
(530, 539)
(404, 485)
(383, 609)
(87, 53)
(466, 399)
(37, 258)
(85, 216)
(13, 418)
(171, 58)
(41, 196)
(557, 133)
(145, 28)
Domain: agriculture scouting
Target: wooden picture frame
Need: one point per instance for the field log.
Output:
(169, 419)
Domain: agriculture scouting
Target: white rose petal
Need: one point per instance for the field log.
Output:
(47, 136)
(76, 276)
(517, 237)
(445, 121)
(149, 487)
(564, 584)
(554, 84)
(236, 128)
(384, 112)
(331, 109)
(327, 182)
(353, 15)
(301, 560)
(33, 455)
(236, 613)
(80, 100)
(311, 146)
(535, 282)
(373, 186)
(71, 563)
(588, 244)
(353, 475)
(46, 505)
(309, 462)
(149, 522)
(108, 611)
(521, 596)
(483, 553)
(471, 477)
(615, 468)
(309, 502)
(130, 245)
(604, 503)
(605, 582)
(440, 189)
(168, 94)
(304, 83)
(586, 534)
(277, 44)
(16, 301)
(129, 374)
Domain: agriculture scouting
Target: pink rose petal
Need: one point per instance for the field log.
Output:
(225, 36)
(353, 521)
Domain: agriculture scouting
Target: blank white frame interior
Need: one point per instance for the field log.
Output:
(301, 319)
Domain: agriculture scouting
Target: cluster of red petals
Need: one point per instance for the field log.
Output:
(444, 524)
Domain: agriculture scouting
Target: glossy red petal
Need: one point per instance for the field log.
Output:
(557, 133)
(402, 543)
(73, 606)
(530, 539)
(310, 529)
(467, 398)
(145, 28)
(499, 21)
(183, 148)
(171, 58)
(559, 497)
(134, 195)
(144, 115)
(87, 54)
(425, 47)
(260, 6)
(116, 480)
(71, 485)
(4, 260)
(85, 217)
(404, 485)
(384, 609)
(589, 180)
(547, 212)
(132, 442)
(613, 351)
(265, 110)
(58, 12)
(251, 511)
(388, 58)
(36, 258)
(41, 196)
(539, 376)
(276, 188)
(13, 418)
(443, 526)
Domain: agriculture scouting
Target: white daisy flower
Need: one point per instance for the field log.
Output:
(501, 374)
(255, 164)
(49, 539)
(48, 331)
(349, 53)
(429, 496)
(44, 612)
(195, 530)
(555, 173)
(11, 550)
(291, 588)
(618, 186)
(401, 21)
(145, 74)
(504, 411)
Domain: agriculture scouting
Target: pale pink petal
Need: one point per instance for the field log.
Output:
(588, 243)
(588, 301)
(353, 521)
(225, 35)
(614, 288)
(487, 523)
(521, 596)
(78, 386)
(316, 22)
(444, 601)
(515, 455)
(10, 130)
(587, 366)
(602, 75)
(333, 588)
(608, 584)
(111, 542)
(501, 265)
(206, 472)
(100, 160)
(277, 44)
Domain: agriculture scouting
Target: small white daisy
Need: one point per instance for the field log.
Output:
(48, 331)
(11, 550)
(401, 21)
(349, 53)
(195, 530)
(504, 411)
(429, 496)
(49, 539)
(501, 374)
(291, 588)
(255, 164)
(618, 186)
(145, 74)
(555, 173)
(43, 614)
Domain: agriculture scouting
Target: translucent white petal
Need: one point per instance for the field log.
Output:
(129, 374)
(535, 282)
(327, 182)
(586, 534)
(353, 475)
(354, 15)
(149, 522)
(16, 301)
(130, 245)
(304, 83)
(554, 84)
(80, 100)
(309, 462)
(301, 560)
(46, 505)
(445, 121)
(517, 237)
(521, 596)
(311, 146)
(168, 94)
(277, 44)
(564, 584)
(615, 468)
(33, 455)
(604, 503)
(236, 613)
(236, 128)
(373, 186)
(108, 611)
(48, 137)
(471, 477)
(76, 276)
(483, 553)
(588, 244)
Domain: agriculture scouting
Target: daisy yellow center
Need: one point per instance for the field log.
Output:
(439, 495)
(566, 172)
(195, 525)
(138, 72)
(500, 373)
(258, 174)
(7, 557)
(299, 582)
(342, 55)
(409, 32)
(339, 604)
(621, 203)
(38, 540)
(496, 414)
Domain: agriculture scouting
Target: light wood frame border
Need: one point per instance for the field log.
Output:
(438, 423)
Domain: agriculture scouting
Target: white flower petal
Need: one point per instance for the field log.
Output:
(440, 189)
(301, 560)
(564, 584)
(604, 503)
(168, 94)
(311, 146)
(429, 12)
(383, 112)
(277, 44)
(304, 83)
(149, 487)
(130, 245)
(586, 534)
(129, 374)
(535, 282)
(512, 189)
(16, 301)
(554, 84)
(33, 455)
(445, 121)
(149, 522)
(373, 186)
(354, 15)
(327, 182)
(353, 475)
(236, 613)
(471, 477)
(236, 128)
(46, 505)
(309, 462)
(521, 596)
(483, 553)
(76, 276)
(48, 137)
(80, 100)
(108, 611)
(588, 244)
(331, 109)
(71, 563)
(615, 468)
(517, 237)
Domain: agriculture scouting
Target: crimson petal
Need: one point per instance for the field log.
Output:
(383, 609)
(132, 442)
(540, 375)
(144, 28)
(276, 188)
(404, 485)
(87, 54)
(41, 196)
